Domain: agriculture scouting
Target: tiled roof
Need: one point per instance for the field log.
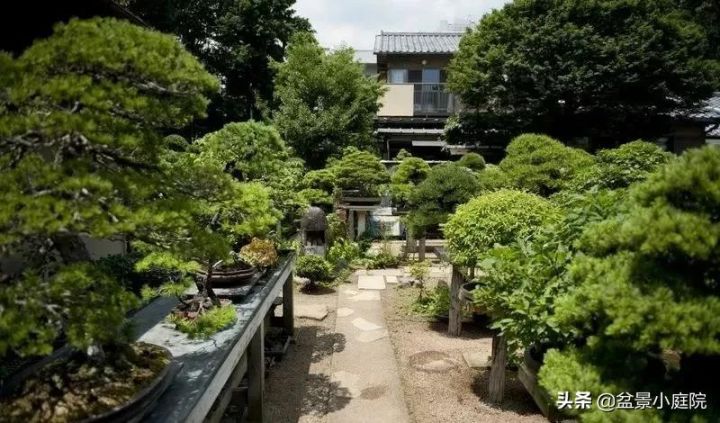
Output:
(711, 111)
(417, 42)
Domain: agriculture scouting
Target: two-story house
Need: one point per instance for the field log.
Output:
(417, 103)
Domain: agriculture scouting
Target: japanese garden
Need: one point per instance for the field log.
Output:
(207, 214)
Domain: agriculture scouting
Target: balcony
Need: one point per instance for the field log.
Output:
(420, 99)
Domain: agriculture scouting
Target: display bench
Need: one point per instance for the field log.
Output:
(210, 371)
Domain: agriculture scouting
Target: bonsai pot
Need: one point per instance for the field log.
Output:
(133, 410)
(466, 294)
(231, 277)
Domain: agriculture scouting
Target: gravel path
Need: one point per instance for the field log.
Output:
(456, 393)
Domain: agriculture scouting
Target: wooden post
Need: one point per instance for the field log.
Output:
(288, 313)
(455, 325)
(256, 377)
(496, 383)
(421, 248)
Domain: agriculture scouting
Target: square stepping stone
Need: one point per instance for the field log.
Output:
(344, 311)
(365, 325)
(310, 311)
(371, 282)
(391, 279)
(366, 296)
(477, 360)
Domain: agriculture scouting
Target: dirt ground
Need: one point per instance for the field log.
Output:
(458, 394)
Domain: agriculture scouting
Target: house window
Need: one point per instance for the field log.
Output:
(397, 76)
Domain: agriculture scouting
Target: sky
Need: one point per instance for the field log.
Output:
(356, 22)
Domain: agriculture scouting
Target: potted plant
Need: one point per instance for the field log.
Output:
(315, 269)
(86, 169)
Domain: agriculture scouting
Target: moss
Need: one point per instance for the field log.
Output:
(207, 323)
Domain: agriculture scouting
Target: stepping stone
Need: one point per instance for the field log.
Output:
(372, 336)
(477, 360)
(365, 325)
(432, 362)
(344, 312)
(350, 292)
(347, 384)
(310, 311)
(371, 282)
(391, 279)
(366, 296)
(386, 272)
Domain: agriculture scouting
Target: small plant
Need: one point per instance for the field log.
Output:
(203, 325)
(260, 253)
(343, 252)
(420, 270)
(314, 268)
(437, 303)
(472, 161)
(384, 259)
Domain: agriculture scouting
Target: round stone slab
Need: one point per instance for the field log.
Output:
(432, 362)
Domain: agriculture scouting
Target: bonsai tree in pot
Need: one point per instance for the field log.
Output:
(436, 197)
(315, 268)
(79, 145)
(646, 302)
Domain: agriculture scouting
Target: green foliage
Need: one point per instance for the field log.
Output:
(206, 324)
(542, 165)
(326, 103)
(446, 187)
(492, 178)
(472, 161)
(620, 69)
(436, 303)
(410, 172)
(419, 270)
(337, 228)
(315, 268)
(496, 218)
(245, 36)
(647, 289)
(260, 253)
(359, 170)
(254, 152)
(343, 252)
(80, 145)
(383, 260)
(620, 167)
(403, 154)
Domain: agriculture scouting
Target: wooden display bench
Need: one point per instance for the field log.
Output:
(213, 369)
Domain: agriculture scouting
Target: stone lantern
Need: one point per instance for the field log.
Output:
(313, 228)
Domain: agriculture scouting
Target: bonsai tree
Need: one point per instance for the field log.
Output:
(496, 218)
(80, 142)
(542, 165)
(472, 161)
(620, 167)
(435, 198)
(644, 313)
(492, 178)
(315, 268)
(359, 170)
(254, 152)
(410, 172)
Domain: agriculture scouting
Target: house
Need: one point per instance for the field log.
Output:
(417, 104)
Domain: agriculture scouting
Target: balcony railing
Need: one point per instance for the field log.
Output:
(433, 99)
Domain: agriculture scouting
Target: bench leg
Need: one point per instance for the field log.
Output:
(288, 312)
(256, 377)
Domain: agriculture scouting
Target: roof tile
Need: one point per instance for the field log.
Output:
(417, 42)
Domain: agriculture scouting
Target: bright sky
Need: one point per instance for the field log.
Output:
(356, 22)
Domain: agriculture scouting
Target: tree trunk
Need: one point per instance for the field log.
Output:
(421, 248)
(496, 383)
(71, 247)
(455, 323)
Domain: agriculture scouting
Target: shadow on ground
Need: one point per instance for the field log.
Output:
(516, 398)
(292, 392)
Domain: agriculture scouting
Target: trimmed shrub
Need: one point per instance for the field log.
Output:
(472, 161)
(496, 218)
(432, 201)
(542, 165)
(343, 252)
(315, 268)
(407, 175)
(645, 310)
(492, 179)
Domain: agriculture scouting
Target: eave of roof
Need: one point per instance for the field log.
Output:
(417, 42)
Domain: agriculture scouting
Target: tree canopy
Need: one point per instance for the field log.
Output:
(359, 170)
(612, 70)
(80, 147)
(235, 40)
(326, 103)
(410, 172)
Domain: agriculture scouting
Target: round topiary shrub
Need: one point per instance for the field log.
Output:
(495, 218)
(315, 268)
(541, 164)
(472, 161)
